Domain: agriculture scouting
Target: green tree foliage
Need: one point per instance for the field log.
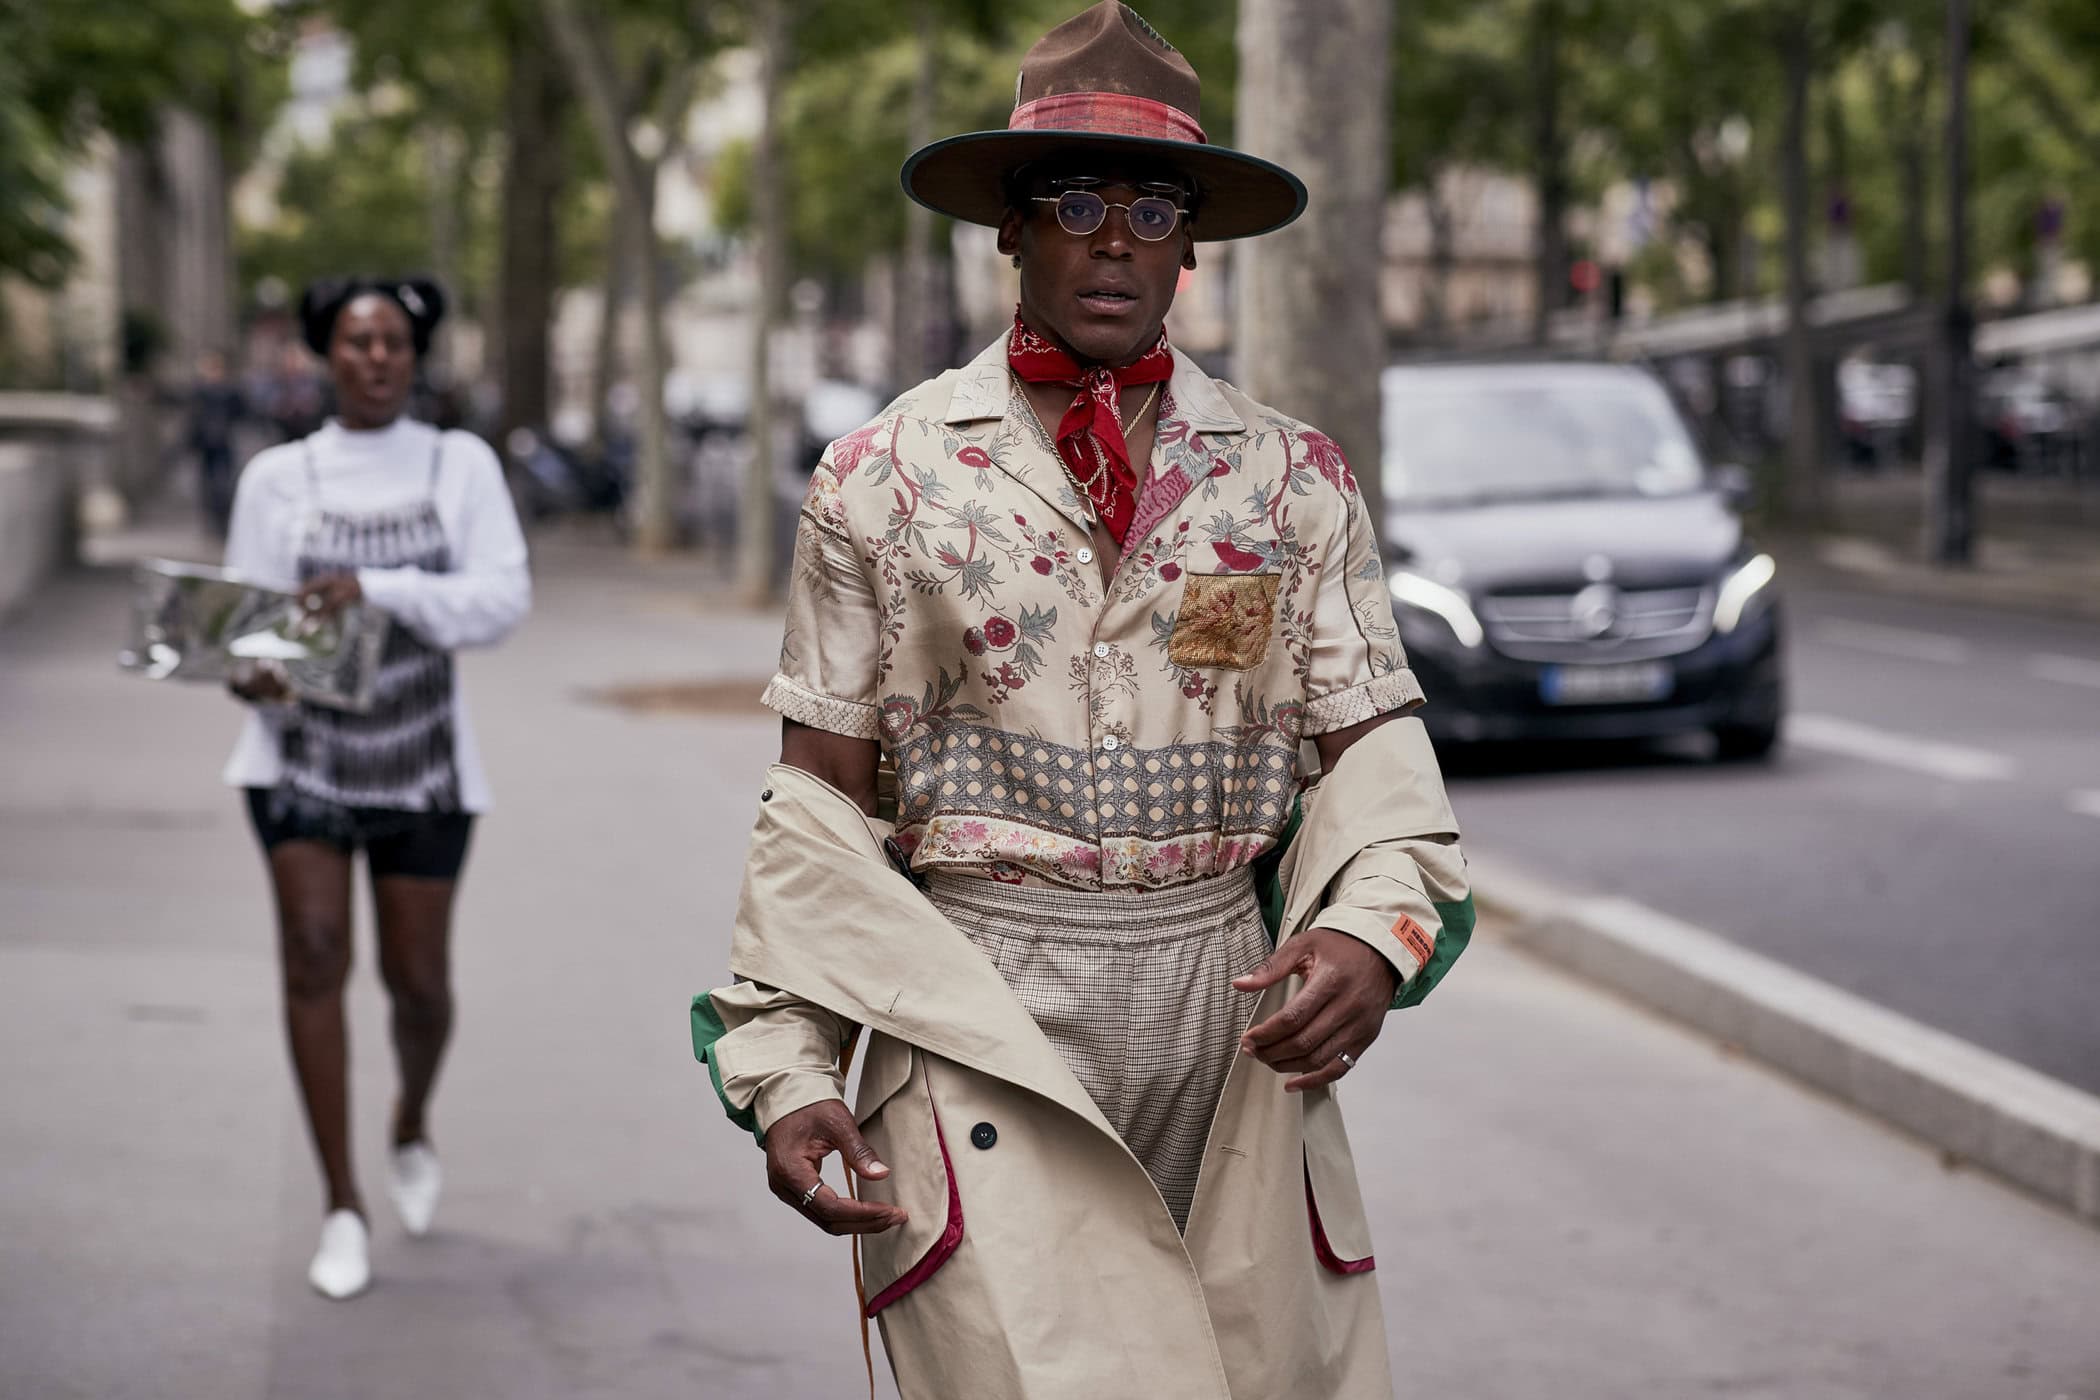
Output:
(848, 103)
(68, 71)
(364, 202)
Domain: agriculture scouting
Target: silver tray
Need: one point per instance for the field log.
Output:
(194, 623)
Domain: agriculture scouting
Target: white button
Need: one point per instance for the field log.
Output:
(1085, 556)
(1101, 648)
(1111, 743)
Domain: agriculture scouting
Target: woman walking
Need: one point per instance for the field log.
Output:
(378, 509)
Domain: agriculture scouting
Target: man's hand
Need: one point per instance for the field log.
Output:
(1341, 1007)
(330, 593)
(796, 1147)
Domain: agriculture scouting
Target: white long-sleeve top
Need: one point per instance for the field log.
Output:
(486, 594)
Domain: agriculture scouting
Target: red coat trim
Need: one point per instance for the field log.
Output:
(1324, 1251)
(951, 1237)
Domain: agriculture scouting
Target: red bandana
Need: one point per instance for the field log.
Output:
(1090, 435)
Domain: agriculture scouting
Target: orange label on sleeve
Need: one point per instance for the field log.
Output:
(1419, 943)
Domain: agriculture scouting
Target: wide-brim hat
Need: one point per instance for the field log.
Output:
(1106, 81)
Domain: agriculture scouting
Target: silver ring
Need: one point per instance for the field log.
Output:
(1348, 1060)
(809, 1195)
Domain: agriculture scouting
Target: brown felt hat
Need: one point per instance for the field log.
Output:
(1105, 81)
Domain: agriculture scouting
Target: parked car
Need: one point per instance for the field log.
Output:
(1564, 565)
(2028, 425)
(1877, 403)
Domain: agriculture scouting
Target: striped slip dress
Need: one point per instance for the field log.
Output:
(398, 756)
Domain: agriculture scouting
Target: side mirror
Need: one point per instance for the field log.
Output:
(1735, 484)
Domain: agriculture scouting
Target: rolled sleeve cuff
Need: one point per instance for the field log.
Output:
(795, 701)
(794, 1089)
(1375, 930)
(1393, 691)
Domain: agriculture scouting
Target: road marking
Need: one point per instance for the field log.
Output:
(2085, 804)
(1953, 762)
(2071, 670)
(1905, 642)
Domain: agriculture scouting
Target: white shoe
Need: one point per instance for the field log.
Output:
(413, 1181)
(343, 1264)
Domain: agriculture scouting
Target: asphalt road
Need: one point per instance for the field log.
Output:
(1928, 836)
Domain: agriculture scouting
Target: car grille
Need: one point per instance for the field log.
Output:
(1649, 623)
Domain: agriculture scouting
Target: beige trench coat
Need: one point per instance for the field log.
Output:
(1039, 1260)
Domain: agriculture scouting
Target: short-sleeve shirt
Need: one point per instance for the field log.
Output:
(1043, 725)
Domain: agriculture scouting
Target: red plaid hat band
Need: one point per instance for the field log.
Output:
(1107, 114)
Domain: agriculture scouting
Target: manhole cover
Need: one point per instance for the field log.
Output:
(738, 696)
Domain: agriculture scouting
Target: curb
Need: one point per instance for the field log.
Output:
(2035, 1131)
(1841, 562)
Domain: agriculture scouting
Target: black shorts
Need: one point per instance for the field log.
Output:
(430, 845)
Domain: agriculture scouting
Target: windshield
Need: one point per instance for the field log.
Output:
(1478, 441)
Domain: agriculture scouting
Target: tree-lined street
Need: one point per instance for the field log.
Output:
(1568, 1196)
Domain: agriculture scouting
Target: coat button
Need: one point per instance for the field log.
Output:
(983, 1136)
(1111, 743)
(1084, 556)
(1101, 649)
(766, 796)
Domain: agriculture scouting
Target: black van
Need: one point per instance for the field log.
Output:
(1565, 565)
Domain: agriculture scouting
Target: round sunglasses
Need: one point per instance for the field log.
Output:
(1081, 212)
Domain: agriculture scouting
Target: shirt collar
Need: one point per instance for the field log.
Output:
(982, 390)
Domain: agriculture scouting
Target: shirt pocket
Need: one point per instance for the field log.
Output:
(1225, 621)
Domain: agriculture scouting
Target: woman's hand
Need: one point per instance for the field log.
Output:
(260, 683)
(329, 594)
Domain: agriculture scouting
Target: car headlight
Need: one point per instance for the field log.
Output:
(1433, 597)
(1739, 590)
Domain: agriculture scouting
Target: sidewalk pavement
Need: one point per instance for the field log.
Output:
(2037, 545)
(1571, 1197)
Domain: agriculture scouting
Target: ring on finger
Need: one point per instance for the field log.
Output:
(1348, 1060)
(809, 1195)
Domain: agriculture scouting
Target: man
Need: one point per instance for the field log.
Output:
(1085, 603)
(216, 409)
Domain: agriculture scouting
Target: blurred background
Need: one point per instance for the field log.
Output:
(1759, 202)
(1725, 378)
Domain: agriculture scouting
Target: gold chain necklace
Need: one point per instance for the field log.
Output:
(1098, 476)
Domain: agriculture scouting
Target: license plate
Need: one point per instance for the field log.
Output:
(1629, 683)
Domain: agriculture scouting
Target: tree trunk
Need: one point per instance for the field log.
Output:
(199, 236)
(655, 515)
(1917, 188)
(442, 162)
(915, 308)
(590, 68)
(1950, 513)
(531, 181)
(1443, 257)
(1803, 478)
(1550, 167)
(605, 358)
(1310, 338)
(769, 199)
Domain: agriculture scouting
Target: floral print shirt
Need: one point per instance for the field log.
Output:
(1045, 723)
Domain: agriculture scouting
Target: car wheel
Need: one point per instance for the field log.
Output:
(1745, 743)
